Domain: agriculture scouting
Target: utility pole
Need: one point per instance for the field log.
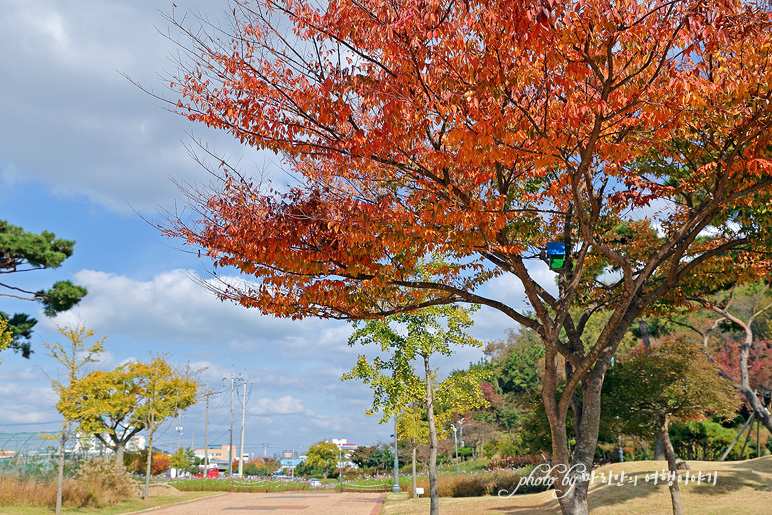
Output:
(230, 439)
(243, 423)
(207, 395)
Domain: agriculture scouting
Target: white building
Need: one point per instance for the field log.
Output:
(90, 444)
(345, 450)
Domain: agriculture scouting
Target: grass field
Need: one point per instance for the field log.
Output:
(117, 509)
(742, 488)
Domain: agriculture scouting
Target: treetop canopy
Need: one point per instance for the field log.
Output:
(479, 132)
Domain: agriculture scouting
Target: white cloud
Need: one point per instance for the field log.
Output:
(286, 405)
(174, 307)
(73, 122)
(27, 405)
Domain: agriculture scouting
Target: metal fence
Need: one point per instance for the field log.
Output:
(37, 454)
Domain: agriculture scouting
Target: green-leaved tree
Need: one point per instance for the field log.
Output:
(409, 338)
(22, 251)
(673, 381)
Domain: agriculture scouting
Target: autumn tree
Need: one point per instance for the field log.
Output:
(6, 335)
(413, 426)
(673, 381)
(480, 133)
(323, 456)
(739, 369)
(405, 339)
(166, 391)
(74, 356)
(105, 403)
(22, 251)
(262, 466)
(729, 358)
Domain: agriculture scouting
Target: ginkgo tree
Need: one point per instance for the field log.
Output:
(166, 391)
(6, 335)
(105, 404)
(74, 356)
(322, 455)
(408, 341)
(622, 130)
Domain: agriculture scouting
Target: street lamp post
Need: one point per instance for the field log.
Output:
(340, 468)
(395, 488)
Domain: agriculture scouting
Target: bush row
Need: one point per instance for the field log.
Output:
(480, 484)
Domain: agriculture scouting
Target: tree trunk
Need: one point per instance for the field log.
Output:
(761, 411)
(413, 469)
(675, 492)
(60, 475)
(644, 332)
(659, 450)
(146, 492)
(119, 452)
(434, 496)
(571, 472)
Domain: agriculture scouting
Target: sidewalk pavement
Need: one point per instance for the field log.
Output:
(281, 503)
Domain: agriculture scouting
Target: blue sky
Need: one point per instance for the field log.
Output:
(82, 149)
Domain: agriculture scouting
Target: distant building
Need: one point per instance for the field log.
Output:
(90, 444)
(345, 449)
(137, 443)
(219, 454)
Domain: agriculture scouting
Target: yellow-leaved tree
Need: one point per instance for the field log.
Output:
(74, 356)
(6, 336)
(165, 391)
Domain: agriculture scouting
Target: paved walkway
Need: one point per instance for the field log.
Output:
(281, 503)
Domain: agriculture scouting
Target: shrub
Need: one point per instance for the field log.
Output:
(516, 461)
(468, 486)
(707, 440)
(477, 484)
(106, 484)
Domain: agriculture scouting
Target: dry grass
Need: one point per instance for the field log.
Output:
(98, 484)
(123, 508)
(741, 488)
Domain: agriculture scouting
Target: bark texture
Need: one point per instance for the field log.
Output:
(434, 495)
(672, 466)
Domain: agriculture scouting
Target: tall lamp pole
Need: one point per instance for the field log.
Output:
(340, 467)
(395, 488)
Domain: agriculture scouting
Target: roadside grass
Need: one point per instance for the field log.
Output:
(132, 506)
(742, 488)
